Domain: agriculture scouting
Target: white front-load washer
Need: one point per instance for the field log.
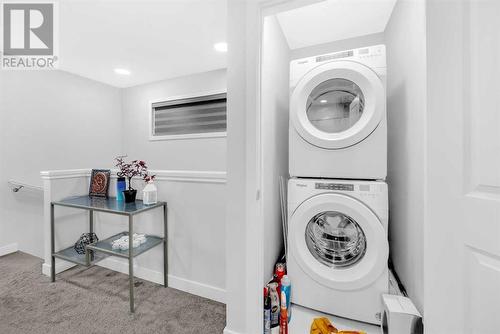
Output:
(338, 124)
(337, 246)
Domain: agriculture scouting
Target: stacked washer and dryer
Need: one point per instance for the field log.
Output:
(337, 198)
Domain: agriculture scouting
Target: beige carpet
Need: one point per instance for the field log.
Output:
(95, 300)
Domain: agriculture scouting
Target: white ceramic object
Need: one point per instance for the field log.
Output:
(150, 194)
(123, 242)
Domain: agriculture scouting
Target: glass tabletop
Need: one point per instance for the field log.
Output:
(109, 204)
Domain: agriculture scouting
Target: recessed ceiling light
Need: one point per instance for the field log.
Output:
(323, 101)
(220, 47)
(122, 71)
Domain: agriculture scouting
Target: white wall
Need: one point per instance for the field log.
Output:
(335, 46)
(405, 38)
(49, 120)
(53, 120)
(197, 208)
(185, 154)
(274, 136)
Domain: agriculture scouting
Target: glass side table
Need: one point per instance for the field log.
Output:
(102, 248)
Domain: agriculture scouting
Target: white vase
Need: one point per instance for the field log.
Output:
(150, 194)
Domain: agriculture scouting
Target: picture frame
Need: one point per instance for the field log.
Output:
(99, 182)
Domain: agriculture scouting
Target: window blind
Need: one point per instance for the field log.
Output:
(197, 115)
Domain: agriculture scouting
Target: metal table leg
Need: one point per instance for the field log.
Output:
(52, 246)
(165, 246)
(91, 221)
(88, 256)
(131, 260)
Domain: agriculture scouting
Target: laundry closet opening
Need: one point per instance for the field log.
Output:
(331, 123)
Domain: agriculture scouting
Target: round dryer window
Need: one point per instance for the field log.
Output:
(335, 105)
(335, 239)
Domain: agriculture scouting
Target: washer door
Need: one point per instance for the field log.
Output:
(338, 241)
(337, 104)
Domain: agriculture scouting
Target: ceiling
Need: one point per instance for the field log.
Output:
(334, 20)
(154, 39)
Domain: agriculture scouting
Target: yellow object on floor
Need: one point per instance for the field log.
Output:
(324, 326)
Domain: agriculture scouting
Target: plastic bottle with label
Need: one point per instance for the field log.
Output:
(283, 315)
(275, 304)
(267, 312)
(286, 288)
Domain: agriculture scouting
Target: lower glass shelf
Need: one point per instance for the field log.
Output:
(106, 247)
(70, 254)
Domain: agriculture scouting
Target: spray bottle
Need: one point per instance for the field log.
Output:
(286, 287)
(283, 315)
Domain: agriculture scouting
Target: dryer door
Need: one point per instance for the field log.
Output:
(337, 104)
(338, 241)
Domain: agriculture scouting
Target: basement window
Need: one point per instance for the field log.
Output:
(191, 117)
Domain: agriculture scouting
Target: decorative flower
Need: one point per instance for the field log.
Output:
(134, 168)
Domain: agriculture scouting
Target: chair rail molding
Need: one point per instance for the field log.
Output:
(64, 173)
(161, 175)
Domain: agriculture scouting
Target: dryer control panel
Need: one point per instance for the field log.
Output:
(372, 56)
(334, 186)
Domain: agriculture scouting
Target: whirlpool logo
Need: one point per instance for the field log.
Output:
(29, 36)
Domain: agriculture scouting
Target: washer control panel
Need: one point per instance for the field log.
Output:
(335, 186)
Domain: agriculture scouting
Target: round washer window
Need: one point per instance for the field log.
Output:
(335, 239)
(335, 105)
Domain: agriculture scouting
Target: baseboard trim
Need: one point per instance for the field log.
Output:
(228, 331)
(8, 249)
(61, 266)
(140, 272)
(195, 288)
(179, 283)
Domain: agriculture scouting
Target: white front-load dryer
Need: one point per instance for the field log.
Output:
(338, 124)
(337, 246)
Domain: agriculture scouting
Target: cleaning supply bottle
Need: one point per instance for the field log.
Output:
(279, 272)
(283, 315)
(275, 304)
(121, 185)
(267, 312)
(278, 286)
(286, 287)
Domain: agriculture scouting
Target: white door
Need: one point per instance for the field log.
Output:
(338, 241)
(337, 104)
(462, 231)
